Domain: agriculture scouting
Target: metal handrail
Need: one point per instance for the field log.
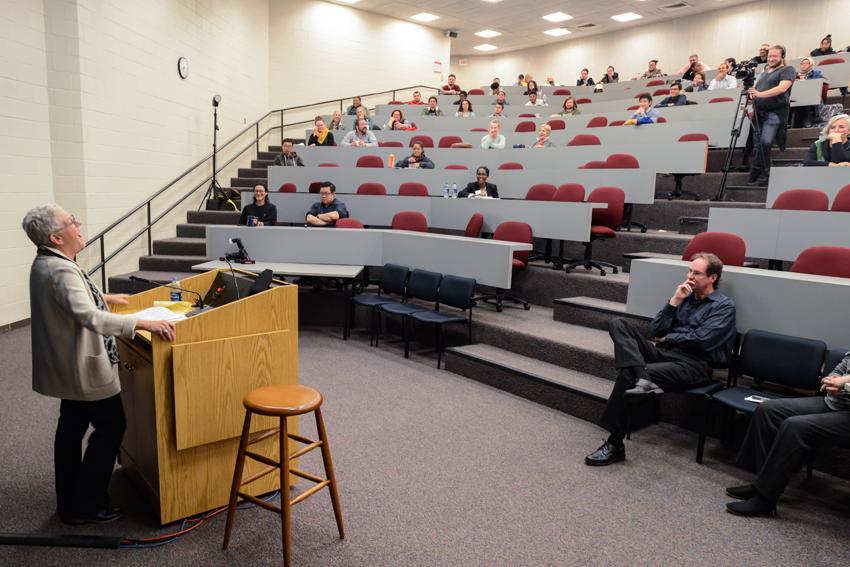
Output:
(254, 142)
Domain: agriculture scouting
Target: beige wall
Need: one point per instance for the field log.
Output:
(321, 51)
(714, 36)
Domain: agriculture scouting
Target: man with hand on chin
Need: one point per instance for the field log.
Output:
(694, 333)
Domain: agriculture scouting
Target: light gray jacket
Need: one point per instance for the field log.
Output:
(69, 359)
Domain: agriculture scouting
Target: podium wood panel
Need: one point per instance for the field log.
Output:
(212, 377)
(196, 479)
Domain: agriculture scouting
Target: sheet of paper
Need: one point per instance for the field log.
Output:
(159, 314)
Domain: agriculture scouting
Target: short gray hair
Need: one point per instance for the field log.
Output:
(833, 120)
(693, 55)
(42, 221)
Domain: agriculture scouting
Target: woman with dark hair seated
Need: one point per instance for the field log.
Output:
(531, 88)
(397, 121)
(699, 83)
(260, 212)
(833, 149)
(480, 187)
(417, 160)
(825, 47)
(610, 76)
(808, 72)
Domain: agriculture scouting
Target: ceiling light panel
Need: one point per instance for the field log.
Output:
(424, 17)
(349, 1)
(628, 17)
(488, 33)
(557, 17)
(486, 47)
(557, 32)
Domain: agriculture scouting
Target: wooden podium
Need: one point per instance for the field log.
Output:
(183, 399)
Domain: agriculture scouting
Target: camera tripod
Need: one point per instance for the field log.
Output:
(737, 126)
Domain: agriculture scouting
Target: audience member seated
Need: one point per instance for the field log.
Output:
(417, 160)
(782, 434)
(520, 81)
(689, 71)
(807, 71)
(397, 121)
(417, 98)
(497, 81)
(288, 157)
(676, 97)
(761, 58)
(825, 47)
(550, 80)
(693, 334)
(260, 212)
(644, 114)
(495, 88)
(610, 76)
(528, 79)
(465, 110)
(534, 101)
(432, 109)
(531, 88)
(328, 210)
(499, 111)
(361, 136)
(352, 110)
(570, 107)
(730, 64)
(833, 149)
(653, 71)
(723, 80)
(321, 136)
(543, 140)
(480, 187)
(461, 98)
(451, 88)
(500, 99)
(336, 121)
(493, 140)
(699, 83)
(584, 80)
(361, 113)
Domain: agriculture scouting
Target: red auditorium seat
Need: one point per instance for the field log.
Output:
(831, 61)
(511, 232)
(562, 92)
(395, 102)
(510, 165)
(479, 130)
(557, 124)
(585, 140)
(730, 248)
(455, 167)
(447, 141)
(633, 108)
(390, 144)
(640, 95)
(348, 223)
(721, 99)
(526, 126)
(476, 92)
(427, 141)
(661, 92)
(527, 116)
(287, 188)
(617, 123)
(655, 83)
(370, 161)
(315, 187)
(802, 200)
(598, 122)
(603, 225)
(569, 193)
(696, 137)
(584, 101)
(661, 120)
(831, 261)
(413, 189)
(841, 203)
(413, 221)
(622, 161)
(371, 189)
(473, 228)
(328, 165)
(594, 165)
(540, 192)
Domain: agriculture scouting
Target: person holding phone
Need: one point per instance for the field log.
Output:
(260, 212)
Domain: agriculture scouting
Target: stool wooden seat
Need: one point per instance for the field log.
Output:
(284, 400)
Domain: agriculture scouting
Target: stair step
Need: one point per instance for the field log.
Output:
(664, 214)
(192, 230)
(254, 172)
(169, 263)
(240, 183)
(596, 313)
(213, 217)
(692, 225)
(705, 185)
(261, 163)
(180, 246)
(123, 284)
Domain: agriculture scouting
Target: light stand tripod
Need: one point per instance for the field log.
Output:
(214, 189)
(737, 126)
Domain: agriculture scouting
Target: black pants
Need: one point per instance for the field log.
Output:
(780, 435)
(672, 371)
(82, 482)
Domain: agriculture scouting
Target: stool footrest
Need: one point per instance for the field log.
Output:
(260, 474)
(305, 450)
(263, 459)
(260, 503)
(310, 492)
(304, 440)
(308, 476)
(264, 436)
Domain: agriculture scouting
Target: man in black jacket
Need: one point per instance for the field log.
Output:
(676, 97)
(288, 157)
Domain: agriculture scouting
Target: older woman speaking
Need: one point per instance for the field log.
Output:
(75, 358)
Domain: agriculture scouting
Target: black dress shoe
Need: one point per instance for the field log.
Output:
(607, 454)
(742, 492)
(102, 516)
(758, 507)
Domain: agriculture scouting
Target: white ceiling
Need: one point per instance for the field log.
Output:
(521, 22)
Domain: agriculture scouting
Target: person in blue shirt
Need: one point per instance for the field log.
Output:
(693, 334)
(328, 210)
(676, 97)
(644, 114)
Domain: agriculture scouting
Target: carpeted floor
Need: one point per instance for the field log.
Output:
(435, 469)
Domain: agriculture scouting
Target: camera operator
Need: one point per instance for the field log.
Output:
(771, 97)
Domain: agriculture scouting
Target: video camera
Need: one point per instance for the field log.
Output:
(745, 72)
(240, 257)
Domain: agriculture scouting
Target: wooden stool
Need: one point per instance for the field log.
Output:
(282, 401)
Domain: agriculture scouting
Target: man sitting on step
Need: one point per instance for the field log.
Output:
(694, 333)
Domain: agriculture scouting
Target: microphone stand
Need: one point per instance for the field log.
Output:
(226, 258)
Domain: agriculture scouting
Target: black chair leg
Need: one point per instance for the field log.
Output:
(678, 192)
(405, 321)
(703, 431)
(439, 344)
(499, 297)
(588, 263)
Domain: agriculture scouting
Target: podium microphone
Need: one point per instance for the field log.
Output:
(199, 303)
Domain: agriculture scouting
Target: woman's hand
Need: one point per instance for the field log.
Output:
(834, 138)
(116, 298)
(311, 145)
(165, 329)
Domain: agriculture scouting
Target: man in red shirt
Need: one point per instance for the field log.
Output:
(451, 88)
(417, 98)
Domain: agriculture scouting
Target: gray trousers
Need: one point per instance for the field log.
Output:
(672, 371)
(780, 435)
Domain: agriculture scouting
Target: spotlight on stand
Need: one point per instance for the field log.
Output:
(215, 189)
(216, 100)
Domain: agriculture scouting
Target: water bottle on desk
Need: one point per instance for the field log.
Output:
(176, 290)
(544, 98)
(446, 191)
(454, 190)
